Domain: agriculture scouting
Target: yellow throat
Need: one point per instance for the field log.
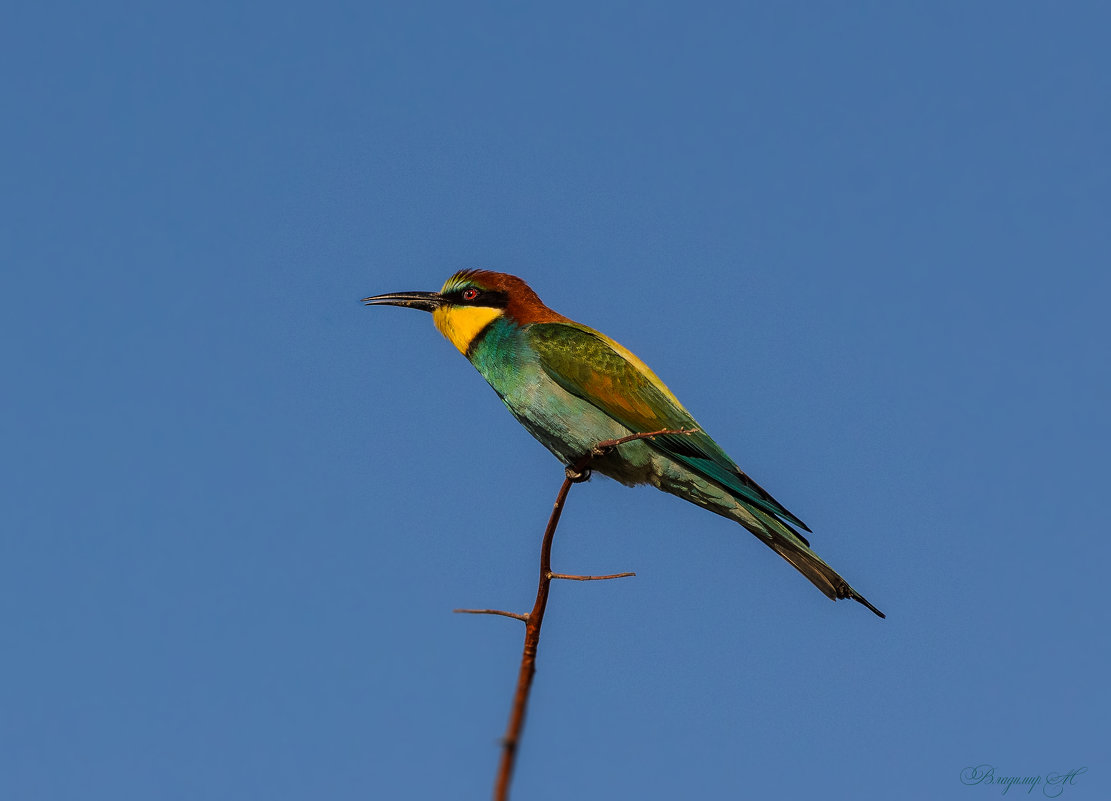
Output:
(461, 324)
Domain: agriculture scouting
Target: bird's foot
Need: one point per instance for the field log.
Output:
(577, 476)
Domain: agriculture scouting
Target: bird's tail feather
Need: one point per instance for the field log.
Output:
(789, 544)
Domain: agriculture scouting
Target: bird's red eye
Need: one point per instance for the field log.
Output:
(470, 294)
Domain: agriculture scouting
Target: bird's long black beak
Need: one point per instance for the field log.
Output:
(425, 301)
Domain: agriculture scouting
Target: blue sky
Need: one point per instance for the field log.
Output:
(866, 244)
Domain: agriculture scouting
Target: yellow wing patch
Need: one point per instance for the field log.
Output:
(461, 324)
(634, 360)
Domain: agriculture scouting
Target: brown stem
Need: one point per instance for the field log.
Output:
(535, 618)
(514, 615)
(569, 577)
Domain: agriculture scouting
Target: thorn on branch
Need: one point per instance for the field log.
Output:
(604, 447)
(570, 577)
(514, 615)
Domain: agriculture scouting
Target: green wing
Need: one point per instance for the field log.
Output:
(593, 367)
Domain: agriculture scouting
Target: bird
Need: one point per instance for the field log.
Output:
(572, 387)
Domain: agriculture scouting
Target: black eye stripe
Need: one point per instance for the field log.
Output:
(473, 296)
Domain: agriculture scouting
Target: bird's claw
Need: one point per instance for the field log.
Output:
(577, 476)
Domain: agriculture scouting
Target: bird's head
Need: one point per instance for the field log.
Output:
(470, 301)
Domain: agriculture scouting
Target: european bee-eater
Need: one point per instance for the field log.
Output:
(573, 387)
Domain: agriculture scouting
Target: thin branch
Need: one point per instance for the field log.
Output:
(514, 615)
(575, 473)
